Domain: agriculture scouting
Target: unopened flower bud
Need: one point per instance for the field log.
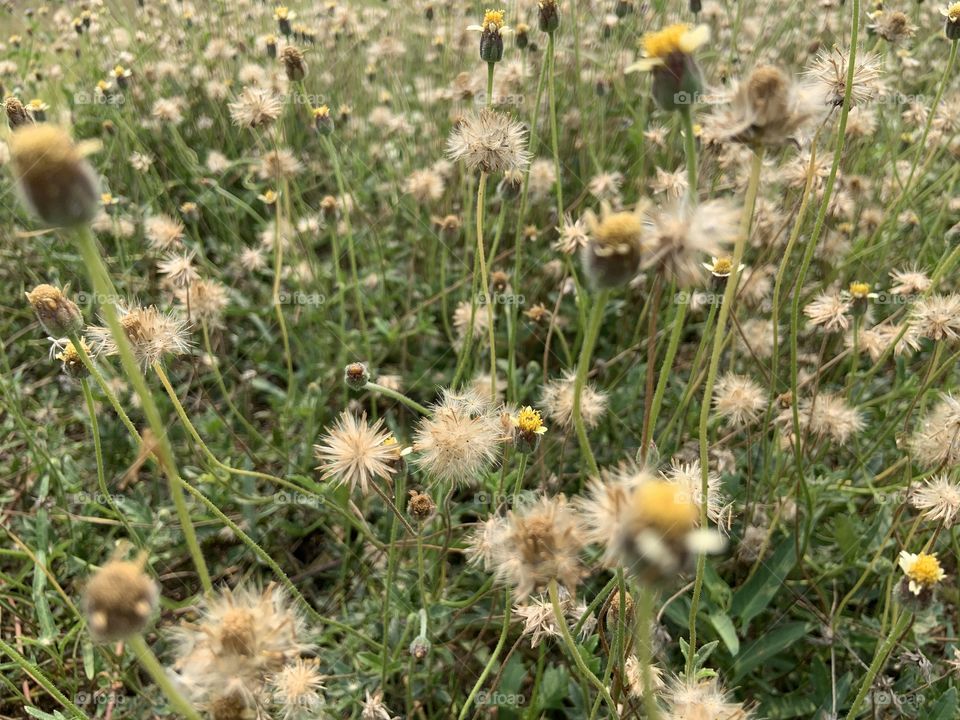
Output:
(356, 376)
(59, 315)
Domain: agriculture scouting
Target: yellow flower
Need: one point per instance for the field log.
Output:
(859, 290)
(658, 46)
(665, 507)
(321, 113)
(952, 13)
(528, 421)
(494, 18)
(281, 13)
(922, 570)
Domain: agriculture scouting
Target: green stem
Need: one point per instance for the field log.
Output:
(665, 369)
(153, 667)
(879, 660)
(554, 134)
(574, 652)
(729, 296)
(399, 397)
(690, 151)
(104, 287)
(42, 680)
(488, 668)
(583, 369)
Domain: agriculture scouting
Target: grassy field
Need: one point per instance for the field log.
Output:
(417, 359)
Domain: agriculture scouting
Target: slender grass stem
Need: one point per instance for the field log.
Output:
(729, 296)
(104, 287)
(156, 672)
(580, 380)
(879, 660)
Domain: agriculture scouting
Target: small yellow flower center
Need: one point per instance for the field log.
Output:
(859, 290)
(106, 198)
(619, 229)
(118, 71)
(953, 12)
(529, 420)
(103, 86)
(270, 197)
(493, 20)
(925, 570)
(665, 507)
(723, 266)
(662, 43)
(321, 112)
(281, 13)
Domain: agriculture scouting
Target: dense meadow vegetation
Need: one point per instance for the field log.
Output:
(425, 359)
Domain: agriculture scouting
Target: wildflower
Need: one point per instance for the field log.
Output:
(768, 108)
(938, 499)
(681, 235)
(634, 674)
(460, 440)
(528, 428)
(892, 26)
(425, 186)
(373, 707)
(937, 317)
(612, 254)
(489, 141)
(688, 478)
(829, 74)
(571, 236)
(151, 333)
(256, 107)
(356, 376)
(539, 543)
(738, 399)
(923, 571)
(119, 600)
(491, 35)
(53, 176)
(557, 402)
(668, 54)
(462, 315)
(936, 443)
(952, 16)
(56, 312)
(296, 689)
(283, 16)
(690, 698)
(163, 232)
(830, 311)
(293, 63)
(70, 358)
(38, 110)
(206, 300)
(827, 416)
(645, 524)
(910, 281)
(357, 453)
(420, 506)
(548, 15)
(540, 620)
(17, 115)
(243, 639)
(178, 269)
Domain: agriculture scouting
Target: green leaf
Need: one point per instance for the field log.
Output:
(768, 646)
(553, 688)
(751, 598)
(946, 706)
(722, 623)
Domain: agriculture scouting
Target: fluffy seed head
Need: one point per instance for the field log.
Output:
(357, 453)
(151, 333)
(489, 141)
